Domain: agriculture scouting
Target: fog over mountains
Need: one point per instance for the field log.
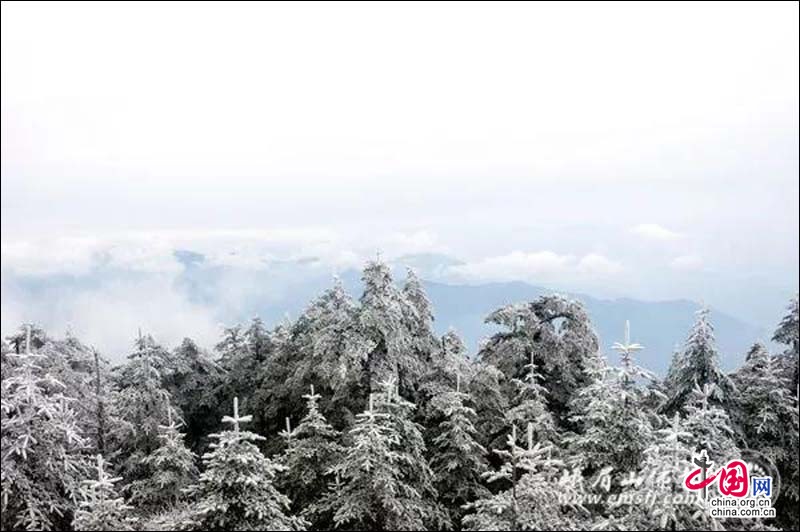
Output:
(107, 303)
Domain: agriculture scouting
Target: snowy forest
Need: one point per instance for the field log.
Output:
(356, 416)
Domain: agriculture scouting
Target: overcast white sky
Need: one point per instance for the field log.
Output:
(620, 149)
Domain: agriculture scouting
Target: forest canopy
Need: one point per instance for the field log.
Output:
(357, 416)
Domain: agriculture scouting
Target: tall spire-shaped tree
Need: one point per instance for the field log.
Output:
(613, 428)
(457, 459)
(236, 490)
(173, 470)
(531, 405)
(697, 365)
(43, 451)
(385, 319)
(788, 334)
(386, 483)
(529, 477)
(101, 507)
(420, 317)
(767, 413)
(142, 405)
(667, 460)
(312, 450)
(710, 426)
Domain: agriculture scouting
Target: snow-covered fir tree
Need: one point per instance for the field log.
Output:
(101, 508)
(142, 405)
(530, 405)
(386, 319)
(558, 333)
(788, 334)
(237, 489)
(710, 426)
(613, 430)
(538, 491)
(312, 451)
(325, 347)
(172, 467)
(43, 451)
(449, 368)
(384, 481)
(421, 316)
(243, 354)
(767, 413)
(192, 381)
(647, 499)
(697, 365)
(491, 404)
(457, 459)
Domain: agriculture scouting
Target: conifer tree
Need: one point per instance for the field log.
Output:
(43, 450)
(648, 498)
(697, 365)
(768, 415)
(236, 490)
(491, 404)
(384, 481)
(325, 347)
(102, 508)
(530, 478)
(448, 368)
(191, 382)
(386, 318)
(244, 355)
(558, 333)
(788, 334)
(612, 427)
(420, 316)
(142, 405)
(457, 459)
(710, 426)
(173, 470)
(530, 405)
(312, 451)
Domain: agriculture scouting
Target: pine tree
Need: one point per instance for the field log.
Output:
(384, 481)
(43, 450)
(191, 382)
(491, 404)
(710, 426)
(558, 333)
(386, 318)
(243, 356)
(788, 334)
(101, 507)
(28, 334)
(530, 406)
(613, 429)
(648, 498)
(173, 470)
(768, 416)
(530, 479)
(421, 316)
(457, 459)
(312, 450)
(325, 347)
(236, 491)
(448, 368)
(697, 365)
(141, 405)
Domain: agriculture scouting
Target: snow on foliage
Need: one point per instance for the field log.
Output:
(360, 417)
